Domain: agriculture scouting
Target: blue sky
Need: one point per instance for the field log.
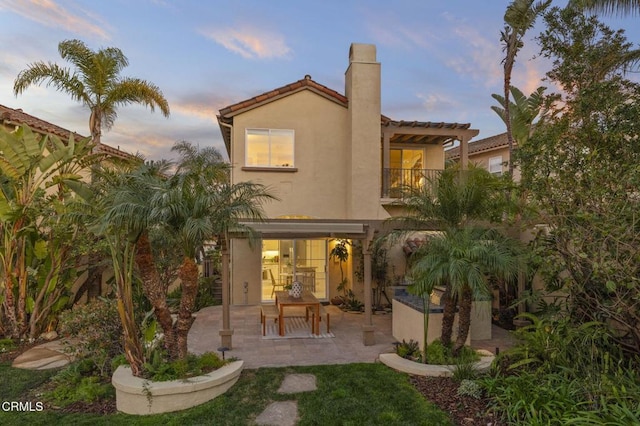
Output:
(441, 60)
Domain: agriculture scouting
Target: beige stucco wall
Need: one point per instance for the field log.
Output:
(319, 186)
(246, 266)
(408, 324)
(482, 160)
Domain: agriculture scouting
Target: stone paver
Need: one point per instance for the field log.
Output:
(295, 383)
(282, 413)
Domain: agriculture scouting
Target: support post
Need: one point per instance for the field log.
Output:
(464, 152)
(226, 332)
(368, 336)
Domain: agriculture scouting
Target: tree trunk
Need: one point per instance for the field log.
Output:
(156, 292)
(189, 276)
(464, 319)
(448, 316)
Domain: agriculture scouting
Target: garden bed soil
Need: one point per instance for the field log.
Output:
(464, 410)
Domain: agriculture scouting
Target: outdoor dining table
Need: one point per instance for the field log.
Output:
(283, 299)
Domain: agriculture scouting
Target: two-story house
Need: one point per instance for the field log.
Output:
(491, 153)
(335, 163)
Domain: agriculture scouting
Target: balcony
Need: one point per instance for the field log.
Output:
(395, 182)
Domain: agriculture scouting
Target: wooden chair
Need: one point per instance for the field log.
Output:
(268, 311)
(274, 283)
(323, 312)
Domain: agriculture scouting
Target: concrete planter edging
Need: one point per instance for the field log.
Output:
(407, 366)
(141, 396)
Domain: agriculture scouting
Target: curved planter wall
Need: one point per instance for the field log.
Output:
(407, 366)
(140, 396)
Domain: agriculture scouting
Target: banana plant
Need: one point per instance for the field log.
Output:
(33, 168)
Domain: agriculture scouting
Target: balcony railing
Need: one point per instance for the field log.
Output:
(396, 182)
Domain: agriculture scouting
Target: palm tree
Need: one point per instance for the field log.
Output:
(519, 17)
(463, 260)
(454, 201)
(199, 205)
(130, 208)
(609, 7)
(95, 81)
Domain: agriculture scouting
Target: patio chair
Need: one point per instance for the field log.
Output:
(274, 283)
(268, 311)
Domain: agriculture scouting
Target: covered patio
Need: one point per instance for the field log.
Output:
(346, 347)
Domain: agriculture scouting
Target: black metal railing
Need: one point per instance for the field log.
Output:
(397, 182)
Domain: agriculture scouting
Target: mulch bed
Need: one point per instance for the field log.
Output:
(464, 410)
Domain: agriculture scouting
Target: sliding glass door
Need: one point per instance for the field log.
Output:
(285, 261)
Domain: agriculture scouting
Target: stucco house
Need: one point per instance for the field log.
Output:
(335, 163)
(491, 153)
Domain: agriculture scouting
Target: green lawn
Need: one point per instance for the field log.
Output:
(351, 394)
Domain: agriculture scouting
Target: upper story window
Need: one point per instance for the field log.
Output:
(269, 148)
(495, 165)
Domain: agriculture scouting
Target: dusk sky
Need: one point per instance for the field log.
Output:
(441, 60)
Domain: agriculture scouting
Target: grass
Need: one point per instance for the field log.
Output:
(350, 394)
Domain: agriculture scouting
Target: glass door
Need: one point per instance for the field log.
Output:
(285, 261)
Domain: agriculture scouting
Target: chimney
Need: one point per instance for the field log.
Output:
(362, 88)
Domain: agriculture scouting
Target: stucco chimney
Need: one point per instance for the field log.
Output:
(362, 88)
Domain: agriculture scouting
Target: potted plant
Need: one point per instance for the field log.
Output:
(340, 252)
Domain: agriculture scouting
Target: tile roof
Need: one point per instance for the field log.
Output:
(305, 83)
(225, 118)
(479, 146)
(18, 117)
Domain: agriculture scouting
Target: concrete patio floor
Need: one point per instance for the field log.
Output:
(346, 347)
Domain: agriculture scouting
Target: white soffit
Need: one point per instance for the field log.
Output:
(310, 227)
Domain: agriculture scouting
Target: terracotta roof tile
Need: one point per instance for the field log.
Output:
(306, 82)
(481, 145)
(18, 117)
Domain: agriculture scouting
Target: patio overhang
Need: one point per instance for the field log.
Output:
(307, 228)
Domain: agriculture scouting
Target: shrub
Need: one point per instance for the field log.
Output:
(76, 383)
(439, 354)
(159, 369)
(565, 374)
(470, 388)
(408, 350)
(97, 328)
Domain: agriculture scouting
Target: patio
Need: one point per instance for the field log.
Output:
(346, 347)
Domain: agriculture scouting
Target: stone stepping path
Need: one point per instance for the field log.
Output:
(285, 413)
(42, 357)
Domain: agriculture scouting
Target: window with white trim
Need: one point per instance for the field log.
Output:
(495, 165)
(269, 148)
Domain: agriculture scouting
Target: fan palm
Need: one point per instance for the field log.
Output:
(199, 205)
(95, 81)
(454, 201)
(463, 260)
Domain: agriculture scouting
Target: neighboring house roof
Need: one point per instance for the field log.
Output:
(12, 116)
(225, 118)
(481, 145)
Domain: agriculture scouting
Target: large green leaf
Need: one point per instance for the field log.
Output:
(40, 249)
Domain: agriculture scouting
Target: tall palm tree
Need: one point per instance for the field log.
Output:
(609, 7)
(519, 17)
(95, 81)
(463, 260)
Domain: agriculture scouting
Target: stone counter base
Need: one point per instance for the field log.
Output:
(140, 396)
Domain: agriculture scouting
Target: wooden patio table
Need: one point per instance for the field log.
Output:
(308, 300)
